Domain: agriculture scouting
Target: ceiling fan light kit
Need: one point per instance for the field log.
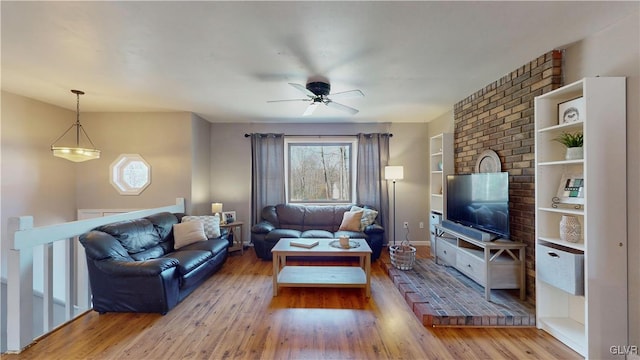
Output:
(318, 92)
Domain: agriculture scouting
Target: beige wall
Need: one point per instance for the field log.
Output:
(33, 181)
(231, 165)
(164, 140)
(615, 51)
(201, 160)
(442, 124)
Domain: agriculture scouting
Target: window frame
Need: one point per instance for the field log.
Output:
(119, 167)
(351, 141)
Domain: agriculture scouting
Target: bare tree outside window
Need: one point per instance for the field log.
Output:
(320, 172)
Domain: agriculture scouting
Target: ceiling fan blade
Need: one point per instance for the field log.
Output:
(347, 94)
(273, 101)
(341, 107)
(310, 109)
(303, 89)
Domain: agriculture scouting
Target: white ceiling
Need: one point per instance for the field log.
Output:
(224, 60)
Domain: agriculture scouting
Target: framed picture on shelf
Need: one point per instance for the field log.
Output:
(571, 189)
(228, 217)
(571, 111)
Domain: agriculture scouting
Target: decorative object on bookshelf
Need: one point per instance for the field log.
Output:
(571, 111)
(440, 165)
(304, 243)
(571, 189)
(570, 229)
(574, 143)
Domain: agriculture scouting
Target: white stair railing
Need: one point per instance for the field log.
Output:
(20, 291)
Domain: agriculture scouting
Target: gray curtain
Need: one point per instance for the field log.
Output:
(371, 187)
(267, 172)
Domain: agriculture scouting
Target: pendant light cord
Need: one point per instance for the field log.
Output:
(77, 123)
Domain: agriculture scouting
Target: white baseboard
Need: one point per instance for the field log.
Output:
(414, 243)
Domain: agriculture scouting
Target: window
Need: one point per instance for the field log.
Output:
(320, 171)
(130, 174)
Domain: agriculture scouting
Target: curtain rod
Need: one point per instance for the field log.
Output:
(249, 135)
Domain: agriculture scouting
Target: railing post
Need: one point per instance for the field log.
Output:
(19, 288)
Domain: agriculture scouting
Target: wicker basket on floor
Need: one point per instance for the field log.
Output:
(402, 256)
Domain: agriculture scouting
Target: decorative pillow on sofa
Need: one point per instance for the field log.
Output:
(368, 217)
(188, 233)
(351, 221)
(211, 224)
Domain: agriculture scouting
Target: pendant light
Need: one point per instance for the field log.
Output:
(77, 153)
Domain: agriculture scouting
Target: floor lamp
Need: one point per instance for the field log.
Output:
(394, 173)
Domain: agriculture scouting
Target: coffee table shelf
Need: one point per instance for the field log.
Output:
(321, 276)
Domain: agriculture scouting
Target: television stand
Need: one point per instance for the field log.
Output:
(497, 264)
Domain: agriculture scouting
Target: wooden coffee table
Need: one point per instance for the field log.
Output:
(321, 276)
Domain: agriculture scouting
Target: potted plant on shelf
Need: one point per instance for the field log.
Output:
(573, 142)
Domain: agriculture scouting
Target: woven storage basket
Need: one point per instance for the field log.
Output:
(403, 256)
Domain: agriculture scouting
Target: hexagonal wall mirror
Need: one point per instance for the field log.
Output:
(130, 174)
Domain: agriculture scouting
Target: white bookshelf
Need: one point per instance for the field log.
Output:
(440, 152)
(590, 323)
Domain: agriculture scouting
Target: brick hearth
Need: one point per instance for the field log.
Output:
(441, 296)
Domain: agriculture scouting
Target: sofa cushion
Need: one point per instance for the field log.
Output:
(317, 234)
(277, 234)
(163, 223)
(134, 235)
(189, 259)
(188, 233)
(319, 217)
(99, 245)
(211, 224)
(368, 216)
(351, 221)
(215, 246)
(153, 253)
(290, 216)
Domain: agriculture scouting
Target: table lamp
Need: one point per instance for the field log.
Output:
(216, 208)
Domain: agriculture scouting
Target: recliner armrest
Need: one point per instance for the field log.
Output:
(150, 267)
(263, 227)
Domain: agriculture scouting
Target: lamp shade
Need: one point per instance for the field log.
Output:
(216, 208)
(393, 172)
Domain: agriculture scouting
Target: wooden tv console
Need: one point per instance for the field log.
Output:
(497, 264)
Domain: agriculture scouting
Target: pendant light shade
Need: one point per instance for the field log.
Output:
(77, 153)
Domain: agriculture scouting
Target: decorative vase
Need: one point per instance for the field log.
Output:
(574, 153)
(440, 165)
(570, 229)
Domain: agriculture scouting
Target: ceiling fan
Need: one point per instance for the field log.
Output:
(317, 93)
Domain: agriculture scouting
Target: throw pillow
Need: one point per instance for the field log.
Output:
(368, 217)
(351, 221)
(211, 224)
(188, 233)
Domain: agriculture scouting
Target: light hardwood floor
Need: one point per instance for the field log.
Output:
(234, 316)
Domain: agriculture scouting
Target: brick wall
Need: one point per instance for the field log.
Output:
(500, 117)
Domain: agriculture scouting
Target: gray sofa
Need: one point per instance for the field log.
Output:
(301, 221)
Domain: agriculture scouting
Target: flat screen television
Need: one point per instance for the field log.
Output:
(480, 201)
